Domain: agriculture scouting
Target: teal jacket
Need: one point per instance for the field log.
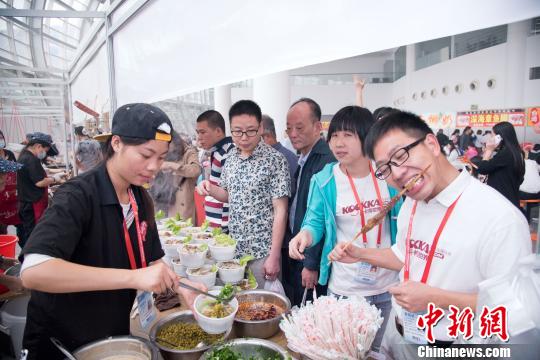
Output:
(320, 218)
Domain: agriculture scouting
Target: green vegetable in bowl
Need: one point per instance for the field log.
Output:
(226, 292)
(188, 239)
(205, 225)
(160, 215)
(224, 240)
(245, 259)
(227, 353)
(216, 231)
(178, 217)
(252, 281)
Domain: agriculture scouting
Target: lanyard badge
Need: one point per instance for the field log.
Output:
(127, 238)
(411, 332)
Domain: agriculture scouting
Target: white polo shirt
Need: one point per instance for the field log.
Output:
(484, 237)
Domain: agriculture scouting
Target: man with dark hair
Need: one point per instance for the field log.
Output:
(440, 213)
(442, 138)
(255, 181)
(270, 138)
(210, 130)
(304, 128)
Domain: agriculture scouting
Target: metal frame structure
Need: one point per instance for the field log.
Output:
(40, 90)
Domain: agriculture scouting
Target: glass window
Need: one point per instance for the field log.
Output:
(432, 52)
(400, 62)
(480, 39)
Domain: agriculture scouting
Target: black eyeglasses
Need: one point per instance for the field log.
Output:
(239, 133)
(397, 159)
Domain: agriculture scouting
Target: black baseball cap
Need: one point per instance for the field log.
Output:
(139, 120)
(43, 139)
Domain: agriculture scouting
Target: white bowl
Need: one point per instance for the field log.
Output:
(189, 230)
(209, 260)
(214, 325)
(203, 237)
(232, 276)
(208, 279)
(192, 260)
(171, 245)
(178, 268)
(222, 253)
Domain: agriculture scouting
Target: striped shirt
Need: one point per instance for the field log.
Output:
(217, 213)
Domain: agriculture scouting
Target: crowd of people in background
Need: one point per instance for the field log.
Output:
(292, 209)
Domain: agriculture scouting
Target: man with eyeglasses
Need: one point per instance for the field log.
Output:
(255, 181)
(453, 232)
(304, 128)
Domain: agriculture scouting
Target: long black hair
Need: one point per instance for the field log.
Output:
(147, 200)
(510, 143)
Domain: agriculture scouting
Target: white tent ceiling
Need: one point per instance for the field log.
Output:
(175, 47)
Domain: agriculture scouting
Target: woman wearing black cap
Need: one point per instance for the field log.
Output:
(33, 182)
(98, 242)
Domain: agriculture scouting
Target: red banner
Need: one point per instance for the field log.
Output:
(489, 118)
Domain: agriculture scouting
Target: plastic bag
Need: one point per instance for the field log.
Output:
(274, 286)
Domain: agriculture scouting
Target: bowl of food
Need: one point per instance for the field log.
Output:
(259, 313)
(222, 247)
(193, 255)
(178, 336)
(117, 347)
(206, 275)
(213, 316)
(202, 237)
(231, 271)
(190, 230)
(247, 348)
(172, 244)
(178, 267)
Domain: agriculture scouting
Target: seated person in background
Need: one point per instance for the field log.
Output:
(88, 155)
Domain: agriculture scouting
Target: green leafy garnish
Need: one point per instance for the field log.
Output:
(178, 217)
(224, 240)
(160, 215)
(175, 229)
(226, 292)
(189, 222)
(216, 231)
(245, 259)
(251, 279)
(203, 247)
(214, 268)
(188, 239)
(205, 225)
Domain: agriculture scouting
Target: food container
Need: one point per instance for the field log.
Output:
(190, 230)
(222, 253)
(260, 328)
(171, 245)
(192, 256)
(231, 275)
(209, 260)
(214, 325)
(202, 237)
(178, 268)
(167, 353)
(117, 347)
(208, 278)
(250, 348)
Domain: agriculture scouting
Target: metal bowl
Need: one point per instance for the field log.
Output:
(262, 329)
(260, 349)
(125, 347)
(172, 354)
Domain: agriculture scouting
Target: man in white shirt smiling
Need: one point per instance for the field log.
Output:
(483, 235)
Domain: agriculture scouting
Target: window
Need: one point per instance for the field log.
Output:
(400, 62)
(534, 73)
(480, 39)
(432, 52)
(535, 26)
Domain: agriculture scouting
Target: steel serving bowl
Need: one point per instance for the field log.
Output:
(117, 347)
(258, 348)
(172, 354)
(262, 329)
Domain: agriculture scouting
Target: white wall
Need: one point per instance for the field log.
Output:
(370, 63)
(531, 94)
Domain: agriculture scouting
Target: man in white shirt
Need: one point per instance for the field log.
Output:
(484, 235)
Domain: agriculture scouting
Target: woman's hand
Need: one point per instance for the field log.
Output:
(346, 253)
(156, 278)
(189, 295)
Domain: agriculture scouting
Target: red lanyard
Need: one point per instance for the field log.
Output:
(432, 247)
(139, 234)
(361, 208)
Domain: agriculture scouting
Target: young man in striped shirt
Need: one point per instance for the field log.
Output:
(211, 137)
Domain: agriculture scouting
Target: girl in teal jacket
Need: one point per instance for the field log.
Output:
(342, 198)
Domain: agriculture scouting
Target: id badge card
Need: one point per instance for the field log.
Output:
(367, 273)
(147, 311)
(411, 332)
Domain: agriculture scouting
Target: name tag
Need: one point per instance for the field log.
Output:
(147, 311)
(411, 332)
(367, 273)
